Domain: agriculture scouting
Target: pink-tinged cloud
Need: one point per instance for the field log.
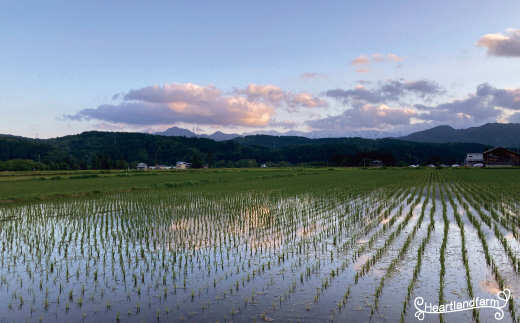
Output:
(308, 100)
(275, 96)
(360, 60)
(502, 45)
(191, 103)
(395, 58)
(363, 61)
(380, 58)
(310, 76)
(173, 103)
(362, 70)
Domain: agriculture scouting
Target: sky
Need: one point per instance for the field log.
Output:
(241, 66)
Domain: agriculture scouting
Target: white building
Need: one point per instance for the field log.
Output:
(180, 165)
(474, 158)
(141, 166)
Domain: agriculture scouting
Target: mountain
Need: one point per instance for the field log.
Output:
(492, 134)
(220, 136)
(367, 134)
(217, 136)
(175, 131)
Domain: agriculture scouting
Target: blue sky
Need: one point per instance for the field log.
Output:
(68, 67)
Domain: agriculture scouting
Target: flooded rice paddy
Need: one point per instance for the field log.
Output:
(320, 255)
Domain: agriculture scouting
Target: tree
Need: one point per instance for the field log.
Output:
(210, 159)
(96, 163)
(83, 164)
(196, 162)
(106, 162)
(121, 163)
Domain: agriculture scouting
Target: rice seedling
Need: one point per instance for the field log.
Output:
(321, 234)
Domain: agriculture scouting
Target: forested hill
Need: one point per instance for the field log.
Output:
(117, 149)
(491, 134)
(300, 149)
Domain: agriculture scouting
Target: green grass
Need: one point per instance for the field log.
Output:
(34, 185)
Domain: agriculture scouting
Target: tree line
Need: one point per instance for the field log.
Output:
(116, 150)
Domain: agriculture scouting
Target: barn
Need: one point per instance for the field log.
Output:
(501, 157)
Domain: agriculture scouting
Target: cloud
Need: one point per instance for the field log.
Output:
(275, 96)
(487, 104)
(366, 116)
(387, 91)
(173, 103)
(379, 58)
(117, 96)
(502, 45)
(369, 109)
(362, 62)
(110, 126)
(362, 70)
(309, 76)
(282, 124)
(514, 118)
(191, 103)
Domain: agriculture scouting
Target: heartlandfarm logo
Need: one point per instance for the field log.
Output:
(503, 296)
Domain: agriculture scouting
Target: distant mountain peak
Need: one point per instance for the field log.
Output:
(316, 134)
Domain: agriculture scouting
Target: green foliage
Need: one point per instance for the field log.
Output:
(108, 150)
(22, 165)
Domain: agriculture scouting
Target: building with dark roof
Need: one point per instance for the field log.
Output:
(501, 157)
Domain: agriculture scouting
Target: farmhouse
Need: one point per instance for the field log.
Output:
(376, 163)
(474, 158)
(180, 165)
(141, 166)
(501, 157)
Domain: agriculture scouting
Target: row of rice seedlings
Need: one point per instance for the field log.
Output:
(465, 261)
(489, 259)
(442, 252)
(386, 225)
(381, 251)
(507, 221)
(402, 251)
(366, 229)
(326, 282)
(383, 214)
(360, 248)
(515, 262)
(420, 251)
